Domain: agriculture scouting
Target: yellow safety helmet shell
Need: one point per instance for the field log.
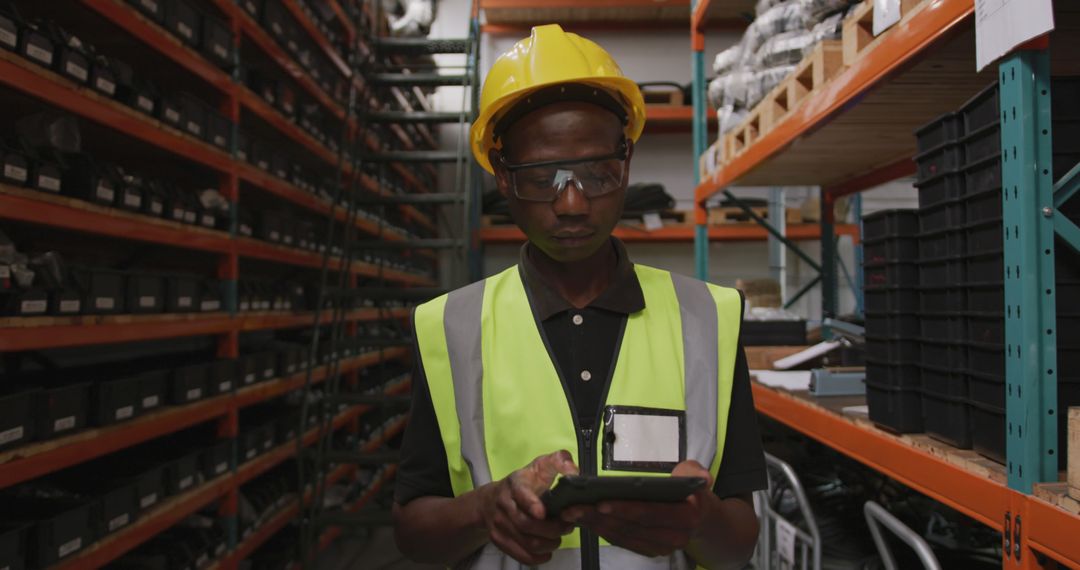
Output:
(550, 56)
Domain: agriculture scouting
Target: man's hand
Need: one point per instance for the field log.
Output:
(515, 516)
(649, 528)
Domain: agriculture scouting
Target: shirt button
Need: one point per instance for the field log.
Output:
(586, 375)
(578, 319)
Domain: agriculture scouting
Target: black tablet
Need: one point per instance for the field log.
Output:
(589, 490)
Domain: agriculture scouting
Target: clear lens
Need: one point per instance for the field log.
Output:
(592, 178)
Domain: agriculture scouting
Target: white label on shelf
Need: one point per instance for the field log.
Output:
(105, 192)
(13, 434)
(287, 238)
(64, 423)
(245, 306)
(194, 393)
(8, 38)
(77, 70)
(148, 500)
(185, 30)
(185, 482)
(157, 207)
(69, 547)
(145, 103)
(221, 51)
(225, 386)
(221, 468)
(785, 541)
(249, 378)
(42, 55)
(208, 220)
(119, 522)
(104, 303)
(172, 115)
(290, 369)
(220, 140)
(194, 128)
(241, 155)
(147, 301)
(150, 402)
(183, 302)
(125, 412)
(219, 549)
(48, 183)
(70, 306)
(33, 307)
(178, 214)
(268, 373)
(1001, 25)
(133, 200)
(211, 305)
(275, 236)
(267, 444)
(252, 7)
(105, 85)
(277, 28)
(250, 453)
(189, 217)
(15, 172)
(202, 560)
(151, 5)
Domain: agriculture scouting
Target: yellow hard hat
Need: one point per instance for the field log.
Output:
(551, 57)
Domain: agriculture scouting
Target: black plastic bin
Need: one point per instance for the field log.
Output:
(182, 474)
(947, 418)
(145, 293)
(181, 294)
(898, 374)
(194, 111)
(982, 143)
(944, 216)
(937, 245)
(944, 129)
(890, 300)
(896, 350)
(59, 527)
(185, 20)
(940, 327)
(214, 460)
(13, 544)
(895, 409)
(890, 249)
(942, 356)
(947, 157)
(102, 290)
(217, 41)
(892, 325)
(17, 425)
(115, 400)
(941, 301)
(61, 408)
(940, 189)
(942, 272)
(188, 384)
(153, 390)
(901, 274)
(222, 376)
(773, 333)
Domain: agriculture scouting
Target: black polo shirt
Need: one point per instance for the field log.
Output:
(583, 342)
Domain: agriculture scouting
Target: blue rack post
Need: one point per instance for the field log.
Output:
(1030, 327)
(700, 133)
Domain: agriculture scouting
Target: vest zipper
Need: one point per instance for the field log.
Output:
(590, 543)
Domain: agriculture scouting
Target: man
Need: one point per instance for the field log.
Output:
(533, 373)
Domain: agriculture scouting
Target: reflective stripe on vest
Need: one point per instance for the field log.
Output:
(500, 402)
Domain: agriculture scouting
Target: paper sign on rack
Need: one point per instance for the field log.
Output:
(1001, 25)
(785, 543)
(886, 13)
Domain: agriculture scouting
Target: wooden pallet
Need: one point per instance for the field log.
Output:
(663, 96)
(1074, 453)
(736, 215)
(817, 68)
(858, 28)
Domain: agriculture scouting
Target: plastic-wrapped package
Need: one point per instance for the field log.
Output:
(715, 92)
(735, 87)
(730, 117)
(817, 10)
(763, 81)
(763, 6)
(786, 17)
(784, 49)
(830, 28)
(726, 60)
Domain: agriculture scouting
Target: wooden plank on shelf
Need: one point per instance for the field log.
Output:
(1058, 494)
(762, 357)
(1074, 453)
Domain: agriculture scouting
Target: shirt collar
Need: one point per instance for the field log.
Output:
(622, 296)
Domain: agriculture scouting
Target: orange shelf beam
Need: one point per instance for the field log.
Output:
(895, 50)
(161, 518)
(682, 234)
(55, 90)
(267, 390)
(153, 36)
(1050, 529)
(270, 115)
(343, 18)
(318, 37)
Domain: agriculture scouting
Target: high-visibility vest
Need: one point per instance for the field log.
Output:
(500, 401)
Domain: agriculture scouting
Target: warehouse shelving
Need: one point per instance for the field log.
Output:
(502, 14)
(856, 133)
(175, 509)
(248, 188)
(723, 232)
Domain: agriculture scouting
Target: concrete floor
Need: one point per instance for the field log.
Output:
(374, 552)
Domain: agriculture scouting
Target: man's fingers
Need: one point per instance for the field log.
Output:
(691, 468)
(527, 499)
(516, 550)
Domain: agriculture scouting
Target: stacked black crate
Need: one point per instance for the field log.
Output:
(891, 301)
(941, 274)
(984, 264)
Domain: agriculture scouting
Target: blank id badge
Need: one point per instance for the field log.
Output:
(651, 440)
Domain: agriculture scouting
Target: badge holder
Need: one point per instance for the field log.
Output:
(647, 440)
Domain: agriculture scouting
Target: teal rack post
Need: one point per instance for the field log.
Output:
(701, 135)
(1030, 326)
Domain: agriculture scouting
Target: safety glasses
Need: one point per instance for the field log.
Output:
(593, 177)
